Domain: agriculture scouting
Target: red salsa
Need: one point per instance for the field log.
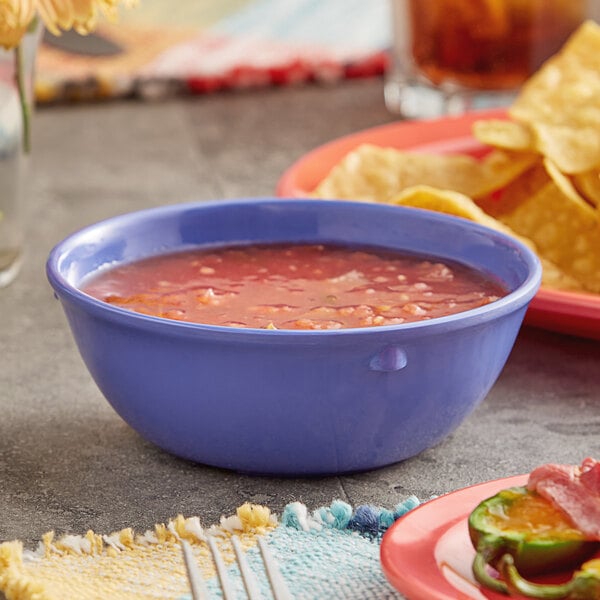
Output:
(294, 287)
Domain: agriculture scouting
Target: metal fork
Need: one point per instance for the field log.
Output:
(198, 588)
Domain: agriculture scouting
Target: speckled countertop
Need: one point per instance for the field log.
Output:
(69, 463)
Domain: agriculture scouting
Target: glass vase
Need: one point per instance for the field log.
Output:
(15, 149)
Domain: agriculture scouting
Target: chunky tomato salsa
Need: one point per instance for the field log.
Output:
(294, 287)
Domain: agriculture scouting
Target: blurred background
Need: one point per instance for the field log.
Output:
(191, 46)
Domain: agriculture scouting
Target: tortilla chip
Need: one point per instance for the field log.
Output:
(556, 279)
(505, 134)
(499, 168)
(574, 149)
(566, 187)
(450, 203)
(458, 205)
(516, 192)
(588, 185)
(565, 230)
(375, 174)
(560, 104)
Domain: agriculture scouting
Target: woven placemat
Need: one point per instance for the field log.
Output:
(161, 48)
(332, 552)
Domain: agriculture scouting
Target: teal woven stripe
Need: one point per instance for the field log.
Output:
(331, 563)
(329, 554)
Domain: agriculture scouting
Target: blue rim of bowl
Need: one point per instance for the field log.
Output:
(507, 304)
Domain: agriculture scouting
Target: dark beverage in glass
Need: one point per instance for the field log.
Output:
(449, 56)
(489, 44)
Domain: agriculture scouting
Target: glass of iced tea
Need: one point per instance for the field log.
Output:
(450, 56)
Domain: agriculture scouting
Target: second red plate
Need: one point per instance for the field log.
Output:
(427, 554)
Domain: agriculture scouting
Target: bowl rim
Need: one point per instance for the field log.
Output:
(512, 301)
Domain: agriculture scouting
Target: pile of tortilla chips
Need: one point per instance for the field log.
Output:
(540, 180)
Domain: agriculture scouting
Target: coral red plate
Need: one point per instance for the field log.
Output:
(427, 554)
(555, 310)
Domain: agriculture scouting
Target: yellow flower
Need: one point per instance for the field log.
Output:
(81, 15)
(15, 17)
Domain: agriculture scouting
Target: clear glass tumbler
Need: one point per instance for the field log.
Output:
(451, 56)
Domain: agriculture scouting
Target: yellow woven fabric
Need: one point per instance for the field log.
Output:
(122, 565)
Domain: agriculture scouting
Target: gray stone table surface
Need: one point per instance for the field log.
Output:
(69, 463)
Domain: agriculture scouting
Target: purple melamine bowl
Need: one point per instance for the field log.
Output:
(293, 402)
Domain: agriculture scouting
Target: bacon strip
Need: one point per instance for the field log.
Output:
(575, 490)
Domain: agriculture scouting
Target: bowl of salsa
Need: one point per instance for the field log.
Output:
(293, 337)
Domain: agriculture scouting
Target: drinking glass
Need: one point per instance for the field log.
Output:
(451, 56)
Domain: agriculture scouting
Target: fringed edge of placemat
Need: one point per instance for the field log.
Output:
(250, 520)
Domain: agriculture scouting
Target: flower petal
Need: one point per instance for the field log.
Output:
(56, 14)
(15, 17)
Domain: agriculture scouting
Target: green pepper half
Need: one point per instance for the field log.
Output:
(535, 534)
(584, 585)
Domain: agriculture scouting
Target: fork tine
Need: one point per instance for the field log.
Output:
(278, 585)
(197, 586)
(221, 570)
(252, 589)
